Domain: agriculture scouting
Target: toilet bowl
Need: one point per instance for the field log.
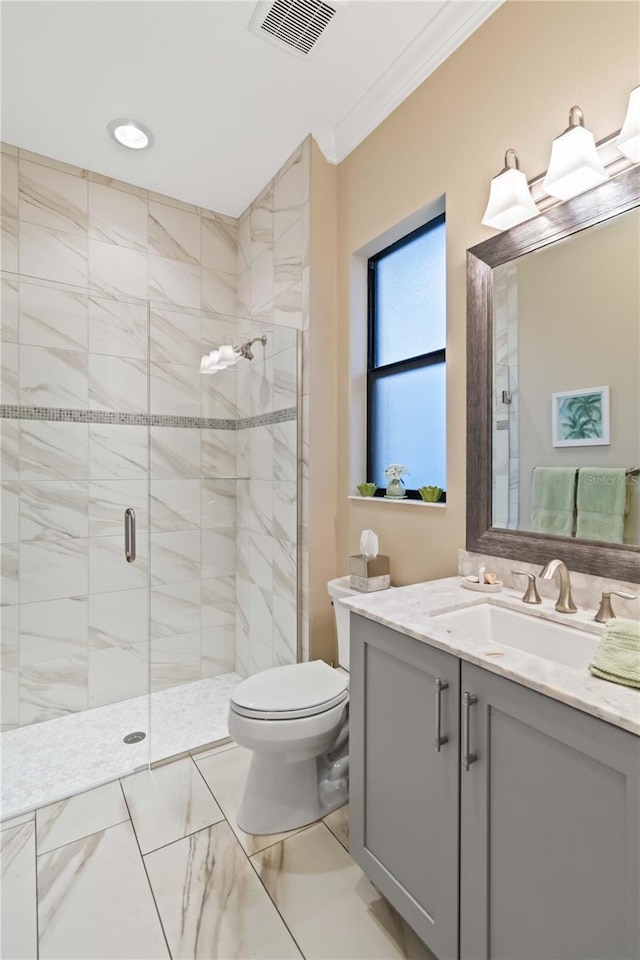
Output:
(295, 720)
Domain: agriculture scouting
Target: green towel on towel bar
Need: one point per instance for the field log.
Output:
(553, 500)
(603, 502)
(618, 655)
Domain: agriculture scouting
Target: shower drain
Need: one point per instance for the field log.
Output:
(135, 737)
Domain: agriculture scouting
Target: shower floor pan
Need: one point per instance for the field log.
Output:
(44, 762)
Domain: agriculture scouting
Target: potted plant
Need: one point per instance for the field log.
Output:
(395, 487)
(430, 494)
(367, 489)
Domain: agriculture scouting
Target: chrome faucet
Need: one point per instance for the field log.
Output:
(564, 603)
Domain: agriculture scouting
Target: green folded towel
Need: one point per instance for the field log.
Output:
(618, 655)
(603, 503)
(553, 500)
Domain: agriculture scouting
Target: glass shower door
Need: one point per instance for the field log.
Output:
(192, 541)
(223, 516)
(74, 608)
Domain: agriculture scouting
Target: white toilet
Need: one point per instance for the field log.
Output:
(295, 720)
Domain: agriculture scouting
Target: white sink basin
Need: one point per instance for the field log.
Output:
(544, 638)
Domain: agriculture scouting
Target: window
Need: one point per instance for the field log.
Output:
(406, 359)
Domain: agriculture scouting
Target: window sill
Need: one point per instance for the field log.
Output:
(413, 503)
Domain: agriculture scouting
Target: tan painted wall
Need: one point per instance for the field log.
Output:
(510, 85)
(579, 326)
(319, 406)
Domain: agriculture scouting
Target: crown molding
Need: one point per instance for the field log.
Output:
(446, 30)
(326, 140)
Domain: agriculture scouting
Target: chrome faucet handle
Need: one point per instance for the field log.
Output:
(531, 594)
(564, 603)
(605, 610)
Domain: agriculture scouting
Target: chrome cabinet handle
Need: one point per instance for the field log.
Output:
(468, 700)
(130, 534)
(439, 739)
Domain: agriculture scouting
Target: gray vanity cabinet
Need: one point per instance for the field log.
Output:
(550, 814)
(404, 786)
(536, 804)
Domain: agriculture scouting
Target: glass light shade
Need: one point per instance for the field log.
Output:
(574, 165)
(510, 200)
(628, 143)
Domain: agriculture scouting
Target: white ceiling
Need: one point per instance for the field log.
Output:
(226, 107)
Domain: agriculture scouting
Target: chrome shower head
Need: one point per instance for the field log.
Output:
(245, 349)
(227, 356)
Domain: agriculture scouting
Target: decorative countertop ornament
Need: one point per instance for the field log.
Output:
(395, 487)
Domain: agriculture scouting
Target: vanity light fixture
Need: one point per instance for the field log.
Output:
(574, 165)
(130, 133)
(510, 200)
(577, 163)
(628, 143)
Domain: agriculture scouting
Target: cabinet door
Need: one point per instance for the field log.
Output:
(404, 791)
(549, 829)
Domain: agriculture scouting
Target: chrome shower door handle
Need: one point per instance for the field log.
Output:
(130, 534)
(468, 701)
(439, 739)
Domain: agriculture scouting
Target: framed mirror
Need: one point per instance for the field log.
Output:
(553, 385)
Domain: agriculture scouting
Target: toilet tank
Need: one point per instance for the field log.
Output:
(340, 588)
(337, 589)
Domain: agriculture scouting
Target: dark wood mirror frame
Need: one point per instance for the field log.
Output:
(616, 561)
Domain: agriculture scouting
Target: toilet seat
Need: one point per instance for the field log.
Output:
(289, 692)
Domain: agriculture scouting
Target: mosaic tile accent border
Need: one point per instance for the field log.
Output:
(194, 423)
(278, 416)
(69, 415)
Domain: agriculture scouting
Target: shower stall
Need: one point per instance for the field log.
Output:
(149, 511)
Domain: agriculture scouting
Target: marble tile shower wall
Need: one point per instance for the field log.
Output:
(273, 285)
(96, 276)
(266, 523)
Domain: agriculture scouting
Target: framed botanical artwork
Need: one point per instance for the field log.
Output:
(580, 418)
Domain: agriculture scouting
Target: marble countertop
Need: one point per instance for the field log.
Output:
(411, 610)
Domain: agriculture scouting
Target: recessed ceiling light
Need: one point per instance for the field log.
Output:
(130, 134)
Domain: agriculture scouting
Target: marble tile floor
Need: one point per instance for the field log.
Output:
(43, 762)
(154, 866)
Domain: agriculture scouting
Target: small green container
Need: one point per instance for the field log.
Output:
(367, 489)
(431, 494)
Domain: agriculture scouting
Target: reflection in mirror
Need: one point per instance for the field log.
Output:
(566, 386)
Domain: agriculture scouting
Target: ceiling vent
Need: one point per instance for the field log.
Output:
(293, 25)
